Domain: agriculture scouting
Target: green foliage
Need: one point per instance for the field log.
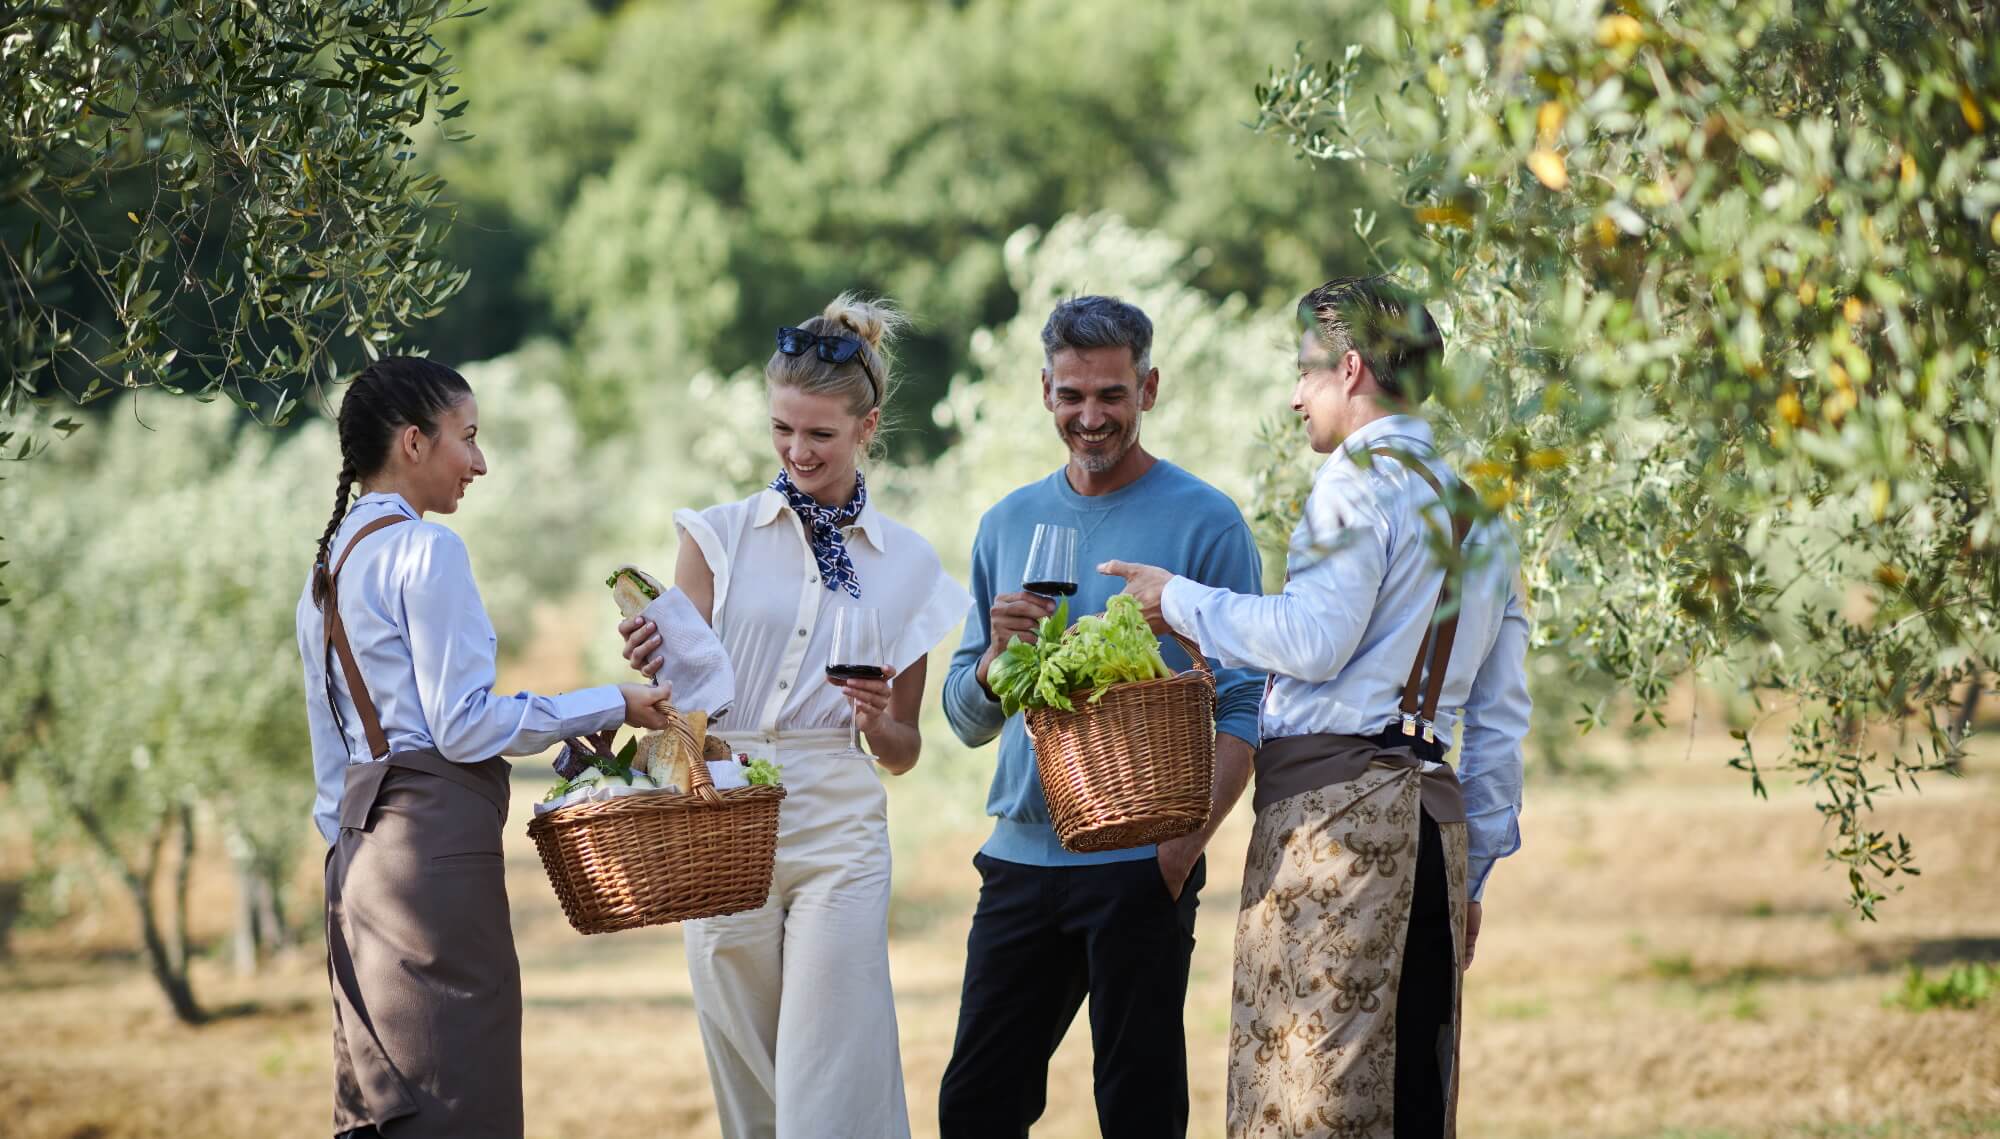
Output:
(1719, 282)
(1964, 986)
(1020, 675)
(680, 179)
(1098, 651)
(214, 196)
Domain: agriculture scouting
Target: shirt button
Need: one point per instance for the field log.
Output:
(802, 632)
(784, 684)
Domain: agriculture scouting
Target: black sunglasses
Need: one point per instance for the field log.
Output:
(832, 349)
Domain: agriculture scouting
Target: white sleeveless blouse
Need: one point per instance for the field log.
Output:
(774, 614)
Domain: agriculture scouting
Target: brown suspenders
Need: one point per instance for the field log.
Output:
(336, 642)
(1420, 699)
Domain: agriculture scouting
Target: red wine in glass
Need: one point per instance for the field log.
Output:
(856, 672)
(1051, 569)
(857, 652)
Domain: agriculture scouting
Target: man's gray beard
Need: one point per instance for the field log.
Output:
(1098, 464)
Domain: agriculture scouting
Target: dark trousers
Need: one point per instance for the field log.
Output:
(1426, 997)
(1042, 939)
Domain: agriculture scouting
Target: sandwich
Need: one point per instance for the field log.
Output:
(633, 589)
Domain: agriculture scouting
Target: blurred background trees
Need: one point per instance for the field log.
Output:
(1718, 281)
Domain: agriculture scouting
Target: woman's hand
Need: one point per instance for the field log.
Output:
(869, 699)
(642, 641)
(646, 705)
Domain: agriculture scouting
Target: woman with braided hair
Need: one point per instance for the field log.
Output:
(407, 732)
(796, 1010)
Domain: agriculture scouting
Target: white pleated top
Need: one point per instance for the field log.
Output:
(774, 614)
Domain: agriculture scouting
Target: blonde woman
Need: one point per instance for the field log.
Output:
(794, 1000)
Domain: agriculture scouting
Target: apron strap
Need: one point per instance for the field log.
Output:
(336, 643)
(1420, 700)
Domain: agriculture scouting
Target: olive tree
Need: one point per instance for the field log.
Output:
(1719, 278)
(212, 197)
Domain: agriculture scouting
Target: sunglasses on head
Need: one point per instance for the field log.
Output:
(832, 349)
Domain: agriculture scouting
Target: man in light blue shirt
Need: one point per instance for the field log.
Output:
(1053, 928)
(1371, 671)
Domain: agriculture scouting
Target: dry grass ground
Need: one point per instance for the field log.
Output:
(1667, 957)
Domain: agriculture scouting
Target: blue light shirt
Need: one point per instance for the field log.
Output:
(425, 648)
(1362, 584)
(1165, 517)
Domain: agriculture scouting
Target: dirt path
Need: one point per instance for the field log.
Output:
(1668, 958)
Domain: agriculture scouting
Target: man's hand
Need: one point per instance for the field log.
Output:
(1146, 583)
(1177, 859)
(1471, 931)
(1013, 615)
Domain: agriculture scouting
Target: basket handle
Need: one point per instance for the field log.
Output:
(1194, 654)
(699, 781)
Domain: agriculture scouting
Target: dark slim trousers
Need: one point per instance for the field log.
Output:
(1043, 938)
(1426, 997)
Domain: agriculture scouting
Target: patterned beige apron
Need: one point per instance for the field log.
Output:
(1327, 897)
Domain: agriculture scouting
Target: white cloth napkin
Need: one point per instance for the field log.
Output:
(693, 660)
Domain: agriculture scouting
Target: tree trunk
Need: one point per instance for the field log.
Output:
(1961, 726)
(248, 936)
(183, 870)
(172, 979)
(271, 924)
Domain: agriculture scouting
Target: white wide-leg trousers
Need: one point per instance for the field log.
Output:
(796, 1009)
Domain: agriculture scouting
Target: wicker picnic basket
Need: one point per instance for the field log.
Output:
(654, 859)
(1136, 767)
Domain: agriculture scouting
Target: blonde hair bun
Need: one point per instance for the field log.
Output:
(875, 322)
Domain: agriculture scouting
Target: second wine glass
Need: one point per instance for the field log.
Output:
(856, 651)
(1051, 569)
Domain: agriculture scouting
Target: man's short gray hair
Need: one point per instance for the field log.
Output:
(1100, 322)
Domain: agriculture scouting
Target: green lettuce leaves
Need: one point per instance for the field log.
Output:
(1097, 652)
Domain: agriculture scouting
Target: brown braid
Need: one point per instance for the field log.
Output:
(323, 566)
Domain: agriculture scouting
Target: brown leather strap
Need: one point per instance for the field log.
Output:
(1420, 700)
(336, 642)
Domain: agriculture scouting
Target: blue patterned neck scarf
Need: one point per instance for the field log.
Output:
(823, 523)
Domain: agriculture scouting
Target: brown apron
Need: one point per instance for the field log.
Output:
(1326, 905)
(420, 950)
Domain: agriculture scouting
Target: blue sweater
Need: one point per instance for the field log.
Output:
(1166, 517)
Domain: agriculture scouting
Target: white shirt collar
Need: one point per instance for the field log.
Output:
(390, 499)
(770, 504)
(1408, 427)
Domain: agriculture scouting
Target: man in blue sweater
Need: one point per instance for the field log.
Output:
(1053, 927)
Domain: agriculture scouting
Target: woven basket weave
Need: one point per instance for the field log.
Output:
(1136, 767)
(653, 859)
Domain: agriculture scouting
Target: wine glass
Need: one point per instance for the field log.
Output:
(856, 652)
(1051, 568)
